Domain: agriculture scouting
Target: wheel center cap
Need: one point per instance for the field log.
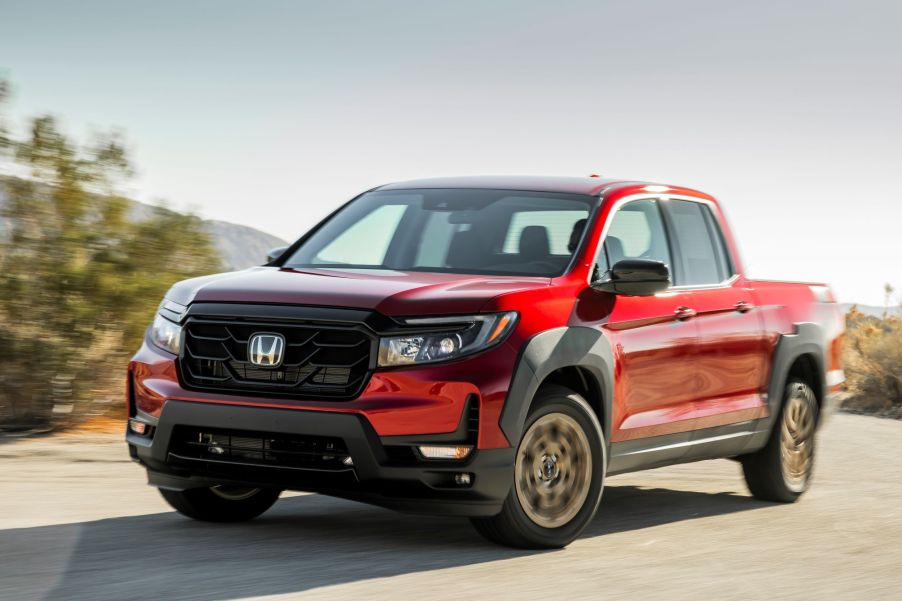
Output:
(548, 468)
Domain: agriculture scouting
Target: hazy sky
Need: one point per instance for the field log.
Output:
(272, 113)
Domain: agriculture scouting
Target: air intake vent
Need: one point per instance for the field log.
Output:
(259, 448)
(473, 420)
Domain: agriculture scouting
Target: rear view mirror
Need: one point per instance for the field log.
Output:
(274, 253)
(635, 277)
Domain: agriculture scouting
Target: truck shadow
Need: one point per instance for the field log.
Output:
(303, 543)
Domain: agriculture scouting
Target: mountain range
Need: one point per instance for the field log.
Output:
(239, 246)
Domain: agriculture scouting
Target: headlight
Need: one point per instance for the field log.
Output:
(465, 335)
(164, 333)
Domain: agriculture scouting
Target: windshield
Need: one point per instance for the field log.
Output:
(495, 232)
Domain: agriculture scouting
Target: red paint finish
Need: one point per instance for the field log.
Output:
(673, 371)
(389, 292)
(732, 354)
(654, 353)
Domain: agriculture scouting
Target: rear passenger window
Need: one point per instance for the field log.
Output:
(703, 257)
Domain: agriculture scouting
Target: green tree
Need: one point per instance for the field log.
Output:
(79, 276)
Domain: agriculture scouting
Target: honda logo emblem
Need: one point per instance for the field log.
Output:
(266, 350)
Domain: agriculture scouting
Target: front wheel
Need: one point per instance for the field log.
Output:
(221, 503)
(558, 475)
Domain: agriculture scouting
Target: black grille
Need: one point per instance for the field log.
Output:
(259, 448)
(320, 360)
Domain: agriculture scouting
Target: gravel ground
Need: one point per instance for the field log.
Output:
(78, 522)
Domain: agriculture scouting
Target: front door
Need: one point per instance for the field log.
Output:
(653, 337)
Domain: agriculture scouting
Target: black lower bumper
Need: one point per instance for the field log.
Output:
(375, 477)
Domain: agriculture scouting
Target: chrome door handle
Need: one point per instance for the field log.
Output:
(744, 306)
(684, 313)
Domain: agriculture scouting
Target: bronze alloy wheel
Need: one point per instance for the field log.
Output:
(234, 493)
(553, 470)
(797, 441)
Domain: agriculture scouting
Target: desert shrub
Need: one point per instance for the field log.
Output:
(79, 277)
(873, 363)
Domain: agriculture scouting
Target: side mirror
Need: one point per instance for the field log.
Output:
(635, 277)
(274, 253)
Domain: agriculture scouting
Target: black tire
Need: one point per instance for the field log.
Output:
(514, 527)
(221, 504)
(770, 473)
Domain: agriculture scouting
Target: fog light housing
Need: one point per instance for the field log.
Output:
(140, 428)
(463, 479)
(445, 452)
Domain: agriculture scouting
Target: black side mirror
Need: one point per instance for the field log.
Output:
(274, 253)
(635, 277)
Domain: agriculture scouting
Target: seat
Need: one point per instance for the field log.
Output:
(465, 250)
(534, 243)
(614, 246)
(575, 234)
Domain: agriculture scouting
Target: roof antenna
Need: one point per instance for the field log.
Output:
(595, 175)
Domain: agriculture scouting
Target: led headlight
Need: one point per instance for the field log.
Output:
(465, 335)
(164, 333)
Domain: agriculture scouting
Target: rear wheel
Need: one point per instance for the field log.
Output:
(221, 503)
(558, 475)
(781, 471)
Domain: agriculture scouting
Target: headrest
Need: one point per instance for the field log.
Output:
(534, 245)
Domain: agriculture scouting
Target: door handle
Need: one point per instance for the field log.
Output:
(744, 306)
(684, 313)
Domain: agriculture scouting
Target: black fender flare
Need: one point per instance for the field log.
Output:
(568, 346)
(807, 339)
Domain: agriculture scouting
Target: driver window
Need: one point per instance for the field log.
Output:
(637, 232)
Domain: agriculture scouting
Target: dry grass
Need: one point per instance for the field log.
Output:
(873, 364)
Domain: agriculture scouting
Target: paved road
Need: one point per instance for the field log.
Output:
(77, 522)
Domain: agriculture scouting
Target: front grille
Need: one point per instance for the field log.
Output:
(320, 360)
(259, 448)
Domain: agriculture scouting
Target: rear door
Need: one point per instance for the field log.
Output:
(730, 357)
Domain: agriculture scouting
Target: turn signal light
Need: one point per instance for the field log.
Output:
(453, 453)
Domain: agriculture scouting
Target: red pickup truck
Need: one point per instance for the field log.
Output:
(488, 347)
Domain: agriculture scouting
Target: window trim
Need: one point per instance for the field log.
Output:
(672, 243)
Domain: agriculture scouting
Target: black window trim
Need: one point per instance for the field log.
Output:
(672, 241)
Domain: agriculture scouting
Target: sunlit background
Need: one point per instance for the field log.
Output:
(252, 120)
(271, 114)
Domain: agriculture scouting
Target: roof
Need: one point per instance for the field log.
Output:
(573, 185)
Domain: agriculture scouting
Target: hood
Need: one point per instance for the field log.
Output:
(396, 293)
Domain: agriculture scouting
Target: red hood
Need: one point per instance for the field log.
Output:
(389, 292)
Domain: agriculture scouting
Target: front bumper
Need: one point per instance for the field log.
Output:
(423, 487)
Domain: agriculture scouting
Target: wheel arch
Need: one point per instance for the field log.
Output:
(799, 354)
(577, 357)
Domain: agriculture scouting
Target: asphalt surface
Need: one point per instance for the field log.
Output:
(78, 522)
